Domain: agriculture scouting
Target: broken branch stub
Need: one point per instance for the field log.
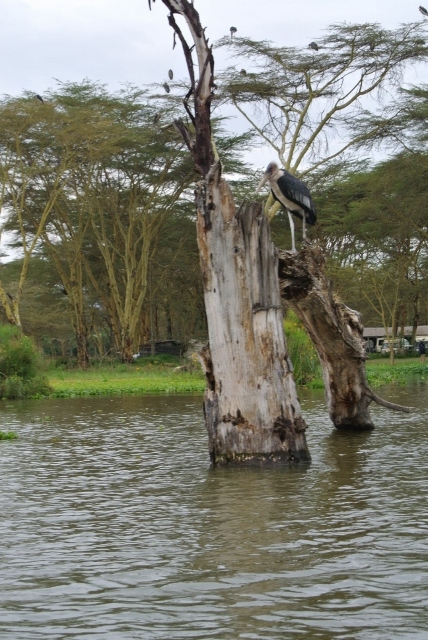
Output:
(337, 334)
(201, 87)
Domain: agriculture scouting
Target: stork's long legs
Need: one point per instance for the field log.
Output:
(304, 226)
(293, 243)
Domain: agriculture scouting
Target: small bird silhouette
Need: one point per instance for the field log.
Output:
(423, 11)
(243, 72)
(233, 30)
(39, 97)
(313, 45)
(170, 74)
(166, 87)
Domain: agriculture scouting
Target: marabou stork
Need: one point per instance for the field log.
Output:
(233, 30)
(293, 194)
(423, 11)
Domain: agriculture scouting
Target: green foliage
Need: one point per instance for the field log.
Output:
(301, 350)
(8, 435)
(15, 388)
(124, 379)
(379, 374)
(19, 363)
(18, 356)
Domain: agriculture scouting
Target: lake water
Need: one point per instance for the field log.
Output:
(114, 526)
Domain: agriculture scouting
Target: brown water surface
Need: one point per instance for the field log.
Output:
(114, 526)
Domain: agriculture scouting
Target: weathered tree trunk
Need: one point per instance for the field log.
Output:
(337, 334)
(251, 407)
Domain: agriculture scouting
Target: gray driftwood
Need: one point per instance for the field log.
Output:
(337, 334)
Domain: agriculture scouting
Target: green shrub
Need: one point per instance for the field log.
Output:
(19, 365)
(8, 435)
(18, 355)
(12, 387)
(301, 351)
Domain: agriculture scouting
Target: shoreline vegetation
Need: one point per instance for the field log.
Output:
(157, 377)
(24, 373)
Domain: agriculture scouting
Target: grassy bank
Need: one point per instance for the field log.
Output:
(138, 379)
(147, 378)
(380, 372)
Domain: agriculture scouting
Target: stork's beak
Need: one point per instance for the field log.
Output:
(265, 178)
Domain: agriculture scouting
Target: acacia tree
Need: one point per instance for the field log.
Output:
(126, 179)
(304, 103)
(27, 165)
(133, 195)
(88, 129)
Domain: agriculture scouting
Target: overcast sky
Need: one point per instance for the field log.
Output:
(119, 41)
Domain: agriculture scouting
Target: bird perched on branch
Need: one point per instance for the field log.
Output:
(233, 30)
(166, 87)
(39, 97)
(423, 11)
(294, 196)
(313, 45)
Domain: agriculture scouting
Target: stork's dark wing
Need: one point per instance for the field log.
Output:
(298, 192)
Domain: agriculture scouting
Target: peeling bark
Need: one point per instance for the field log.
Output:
(337, 334)
(251, 408)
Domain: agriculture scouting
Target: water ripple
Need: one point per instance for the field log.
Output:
(114, 526)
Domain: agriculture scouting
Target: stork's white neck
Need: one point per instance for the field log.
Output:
(275, 175)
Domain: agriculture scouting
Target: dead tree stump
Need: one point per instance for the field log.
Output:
(252, 412)
(337, 334)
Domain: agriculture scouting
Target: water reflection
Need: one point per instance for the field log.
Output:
(114, 526)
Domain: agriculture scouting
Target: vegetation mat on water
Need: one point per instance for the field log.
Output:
(8, 435)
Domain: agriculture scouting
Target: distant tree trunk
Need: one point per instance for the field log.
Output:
(168, 314)
(415, 317)
(337, 334)
(126, 345)
(81, 335)
(251, 407)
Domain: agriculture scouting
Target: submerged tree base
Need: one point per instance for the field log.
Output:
(261, 459)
